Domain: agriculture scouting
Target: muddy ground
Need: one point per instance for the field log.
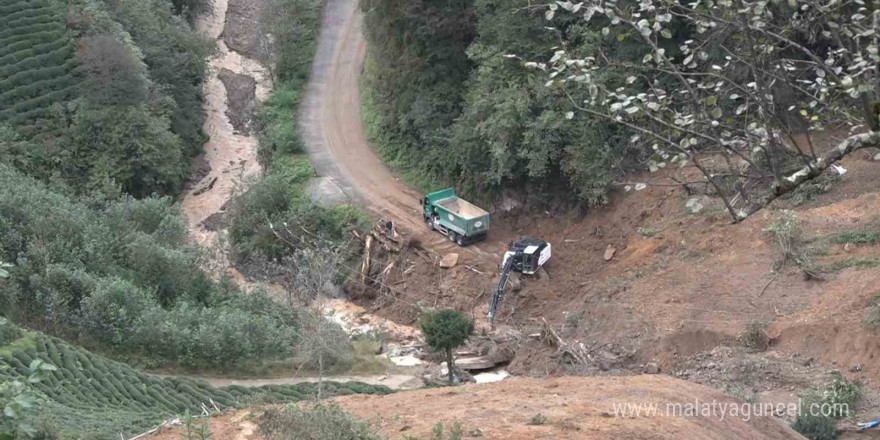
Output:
(241, 96)
(240, 32)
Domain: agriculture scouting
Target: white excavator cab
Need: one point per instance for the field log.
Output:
(526, 256)
(529, 255)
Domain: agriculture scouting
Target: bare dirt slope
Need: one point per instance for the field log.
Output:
(574, 408)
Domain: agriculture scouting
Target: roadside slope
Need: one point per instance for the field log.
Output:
(573, 408)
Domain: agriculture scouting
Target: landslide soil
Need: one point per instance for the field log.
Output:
(573, 408)
(679, 285)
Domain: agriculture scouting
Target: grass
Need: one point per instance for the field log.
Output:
(858, 237)
(537, 419)
(872, 314)
(365, 359)
(847, 263)
(90, 397)
(755, 336)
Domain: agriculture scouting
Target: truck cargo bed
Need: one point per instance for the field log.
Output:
(462, 208)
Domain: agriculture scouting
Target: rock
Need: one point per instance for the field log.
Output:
(514, 283)
(205, 187)
(449, 260)
(856, 368)
(652, 368)
(490, 377)
(847, 247)
(509, 201)
(475, 363)
(693, 205)
(609, 252)
(877, 157)
(711, 365)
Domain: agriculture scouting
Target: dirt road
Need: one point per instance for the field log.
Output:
(330, 122)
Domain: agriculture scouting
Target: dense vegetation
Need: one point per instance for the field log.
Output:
(101, 96)
(90, 397)
(280, 196)
(121, 274)
(37, 56)
(450, 109)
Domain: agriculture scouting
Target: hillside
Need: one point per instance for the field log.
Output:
(91, 397)
(37, 56)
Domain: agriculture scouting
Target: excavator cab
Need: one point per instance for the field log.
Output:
(526, 256)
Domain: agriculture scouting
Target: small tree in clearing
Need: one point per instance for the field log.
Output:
(445, 330)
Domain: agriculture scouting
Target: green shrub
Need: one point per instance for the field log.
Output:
(316, 422)
(858, 237)
(815, 427)
(8, 332)
(755, 337)
(537, 419)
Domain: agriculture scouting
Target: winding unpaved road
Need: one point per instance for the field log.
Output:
(232, 157)
(331, 124)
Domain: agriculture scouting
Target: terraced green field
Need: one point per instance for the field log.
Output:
(90, 397)
(36, 60)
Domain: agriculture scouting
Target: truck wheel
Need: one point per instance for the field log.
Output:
(452, 235)
(430, 223)
(459, 241)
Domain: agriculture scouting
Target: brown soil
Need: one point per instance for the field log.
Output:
(239, 32)
(574, 408)
(229, 155)
(241, 94)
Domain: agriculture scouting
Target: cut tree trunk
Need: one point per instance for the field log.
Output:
(788, 184)
(449, 365)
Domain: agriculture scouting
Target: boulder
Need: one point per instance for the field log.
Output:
(652, 368)
(609, 252)
(449, 260)
(694, 205)
(473, 363)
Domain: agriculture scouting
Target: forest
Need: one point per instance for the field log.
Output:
(93, 158)
(564, 100)
(451, 109)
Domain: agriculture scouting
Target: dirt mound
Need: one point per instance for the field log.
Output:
(241, 95)
(573, 408)
(239, 34)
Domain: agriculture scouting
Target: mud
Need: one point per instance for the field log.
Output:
(240, 34)
(230, 157)
(241, 94)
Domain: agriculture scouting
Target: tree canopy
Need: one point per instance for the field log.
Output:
(445, 330)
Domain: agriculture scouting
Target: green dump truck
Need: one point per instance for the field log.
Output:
(456, 218)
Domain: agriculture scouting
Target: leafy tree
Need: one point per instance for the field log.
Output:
(445, 330)
(113, 74)
(734, 87)
(17, 399)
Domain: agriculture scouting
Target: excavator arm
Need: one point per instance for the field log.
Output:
(498, 294)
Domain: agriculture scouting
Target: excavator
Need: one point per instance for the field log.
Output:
(525, 256)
